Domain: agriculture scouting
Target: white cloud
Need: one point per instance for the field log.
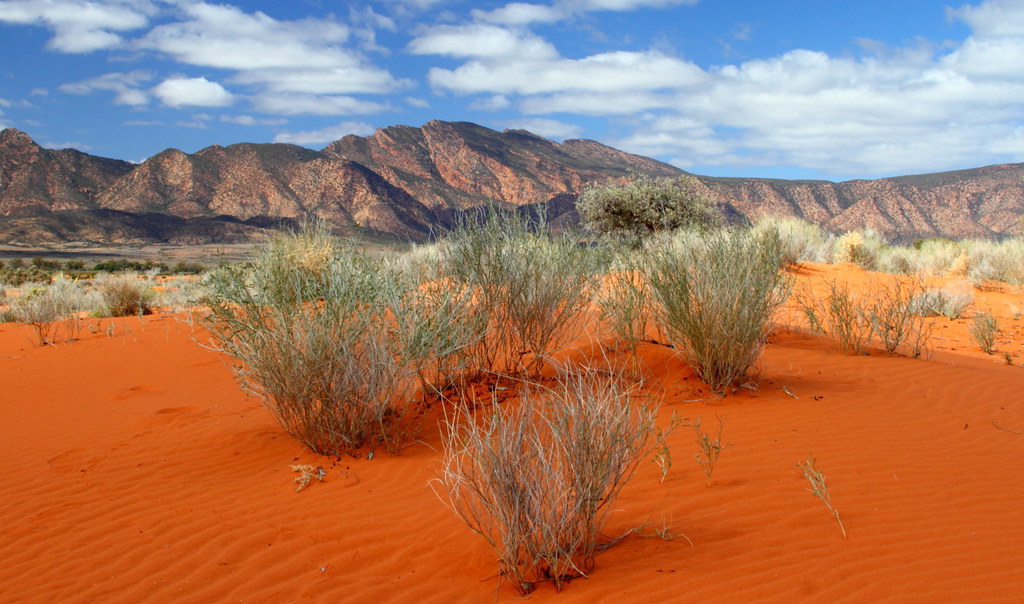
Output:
(888, 110)
(417, 102)
(300, 104)
(325, 135)
(80, 26)
(482, 40)
(199, 92)
(524, 13)
(545, 127)
(278, 59)
(125, 85)
(492, 103)
(992, 18)
(248, 120)
(605, 72)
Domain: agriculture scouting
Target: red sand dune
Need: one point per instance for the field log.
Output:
(135, 470)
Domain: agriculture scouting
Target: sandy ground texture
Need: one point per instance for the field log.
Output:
(135, 470)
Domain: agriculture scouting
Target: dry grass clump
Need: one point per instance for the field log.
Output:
(799, 240)
(862, 248)
(984, 328)
(335, 348)
(840, 314)
(890, 311)
(625, 303)
(715, 298)
(819, 489)
(48, 308)
(537, 479)
(532, 288)
(941, 302)
(124, 294)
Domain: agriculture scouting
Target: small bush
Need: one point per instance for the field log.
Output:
(531, 288)
(715, 296)
(941, 302)
(887, 311)
(839, 314)
(333, 342)
(538, 479)
(901, 330)
(625, 302)
(862, 248)
(646, 206)
(124, 295)
(984, 328)
(799, 240)
(48, 307)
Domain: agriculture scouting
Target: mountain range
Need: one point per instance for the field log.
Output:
(405, 182)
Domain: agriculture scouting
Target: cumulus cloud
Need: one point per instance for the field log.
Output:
(482, 40)
(126, 86)
(301, 104)
(198, 92)
(303, 57)
(524, 13)
(883, 111)
(248, 120)
(325, 135)
(80, 26)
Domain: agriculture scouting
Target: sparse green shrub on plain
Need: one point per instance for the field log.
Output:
(888, 311)
(800, 240)
(983, 328)
(715, 298)
(124, 294)
(47, 307)
(625, 303)
(332, 341)
(941, 302)
(862, 248)
(538, 479)
(646, 206)
(840, 314)
(532, 288)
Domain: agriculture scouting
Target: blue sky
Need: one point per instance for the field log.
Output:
(784, 88)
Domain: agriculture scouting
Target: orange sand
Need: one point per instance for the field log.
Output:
(135, 470)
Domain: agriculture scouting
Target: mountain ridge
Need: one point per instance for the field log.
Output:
(404, 182)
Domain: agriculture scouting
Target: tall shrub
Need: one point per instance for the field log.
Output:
(716, 295)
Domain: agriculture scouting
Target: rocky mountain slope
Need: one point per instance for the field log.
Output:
(403, 182)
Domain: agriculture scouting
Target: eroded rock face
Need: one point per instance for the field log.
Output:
(34, 179)
(404, 181)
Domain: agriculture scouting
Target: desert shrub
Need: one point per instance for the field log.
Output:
(645, 206)
(625, 304)
(990, 261)
(888, 311)
(984, 328)
(895, 322)
(941, 302)
(537, 479)
(715, 298)
(49, 307)
(862, 248)
(333, 343)
(124, 295)
(122, 265)
(799, 240)
(531, 288)
(839, 314)
(898, 260)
